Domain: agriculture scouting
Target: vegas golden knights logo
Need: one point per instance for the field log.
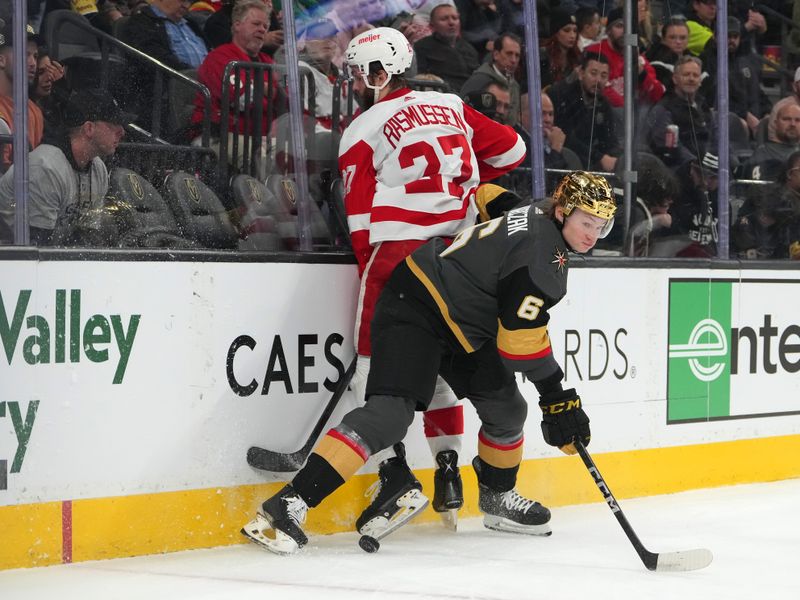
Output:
(191, 186)
(255, 193)
(289, 191)
(136, 186)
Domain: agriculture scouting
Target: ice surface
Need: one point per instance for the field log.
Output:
(753, 531)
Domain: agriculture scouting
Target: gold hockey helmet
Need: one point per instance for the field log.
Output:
(591, 193)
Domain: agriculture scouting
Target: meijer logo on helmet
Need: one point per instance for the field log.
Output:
(372, 37)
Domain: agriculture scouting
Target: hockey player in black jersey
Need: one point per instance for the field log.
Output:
(475, 313)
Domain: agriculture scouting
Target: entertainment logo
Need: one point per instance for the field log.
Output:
(719, 363)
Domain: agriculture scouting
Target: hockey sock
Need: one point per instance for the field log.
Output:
(444, 428)
(499, 462)
(337, 457)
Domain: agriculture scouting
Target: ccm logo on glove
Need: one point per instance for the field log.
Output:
(563, 420)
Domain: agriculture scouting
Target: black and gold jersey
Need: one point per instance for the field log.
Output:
(496, 282)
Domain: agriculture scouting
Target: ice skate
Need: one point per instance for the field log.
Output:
(508, 511)
(277, 526)
(396, 498)
(448, 494)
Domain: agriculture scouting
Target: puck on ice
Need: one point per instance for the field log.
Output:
(369, 544)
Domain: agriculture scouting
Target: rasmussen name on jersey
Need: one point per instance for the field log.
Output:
(60, 338)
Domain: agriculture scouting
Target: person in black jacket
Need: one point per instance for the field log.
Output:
(161, 32)
(585, 116)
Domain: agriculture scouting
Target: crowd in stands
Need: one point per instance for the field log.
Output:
(473, 48)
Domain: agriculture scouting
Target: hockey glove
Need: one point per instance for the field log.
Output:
(563, 420)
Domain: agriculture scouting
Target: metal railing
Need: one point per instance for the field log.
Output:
(109, 47)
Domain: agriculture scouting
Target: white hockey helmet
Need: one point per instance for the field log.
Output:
(384, 45)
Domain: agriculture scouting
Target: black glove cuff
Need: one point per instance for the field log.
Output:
(556, 397)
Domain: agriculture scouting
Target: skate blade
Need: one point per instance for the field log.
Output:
(260, 532)
(410, 505)
(501, 524)
(450, 519)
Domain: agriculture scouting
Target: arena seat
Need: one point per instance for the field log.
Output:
(284, 188)
(151, 224)
(200, 215)
(260, 216)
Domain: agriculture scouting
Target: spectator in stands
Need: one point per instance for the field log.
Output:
(685, 108)
(559, 54)
(760, 229)
(250, 22)
(783, 143)
(444, 52)
(48, 89)
(318, 50)
(587, 19)
(746, 99)
(585, 115)
(789, 180)
(502, 101)
(702, 24)
(67, 174)
(701, 21)
(665, 53)
(35, 117)
(217, 28)
(481, 24)
(160, 31)
(500, 69)
(694, 211)
(793, 98)
(649, 87)
(647, 28)
(555, 154)
(651, 220)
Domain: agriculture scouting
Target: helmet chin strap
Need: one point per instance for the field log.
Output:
(376, 90)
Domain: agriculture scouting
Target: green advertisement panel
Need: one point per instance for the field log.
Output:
(698, 371)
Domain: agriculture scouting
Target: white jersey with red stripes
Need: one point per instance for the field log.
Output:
(411, 164)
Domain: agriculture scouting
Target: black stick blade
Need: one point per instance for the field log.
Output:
(276, 462)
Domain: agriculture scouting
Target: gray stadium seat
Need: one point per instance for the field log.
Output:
(151, 224)
(198, 212)
(284, 188)
(263, 221)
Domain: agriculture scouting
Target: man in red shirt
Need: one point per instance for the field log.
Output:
(650, 88)
(250, 25)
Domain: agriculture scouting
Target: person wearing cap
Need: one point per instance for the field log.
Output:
(67, 174)
(500, 70)
(650, 89)
(702, 23)
(559, 54)
(35, 116)
(746, 99)
(694, 210)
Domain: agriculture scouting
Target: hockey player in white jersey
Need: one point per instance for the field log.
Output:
(412, 164)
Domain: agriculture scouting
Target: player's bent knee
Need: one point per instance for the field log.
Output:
(383, 421)
(504, 417)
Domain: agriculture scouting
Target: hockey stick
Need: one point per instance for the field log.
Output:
(281, 462)
(684, 560)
